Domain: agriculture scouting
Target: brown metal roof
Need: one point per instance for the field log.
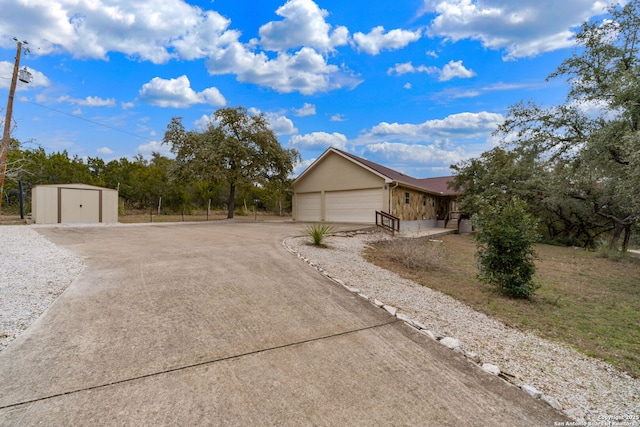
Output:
(432, 185)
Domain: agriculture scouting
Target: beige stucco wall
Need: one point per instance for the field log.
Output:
(336, 173)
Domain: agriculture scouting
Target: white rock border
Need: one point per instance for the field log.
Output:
(449, 342)
(587, 390)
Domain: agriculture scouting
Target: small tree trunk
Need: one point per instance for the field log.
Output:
(232, 200)
(617, 232)
(627, 237)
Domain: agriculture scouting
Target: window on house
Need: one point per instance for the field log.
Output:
(406, 198)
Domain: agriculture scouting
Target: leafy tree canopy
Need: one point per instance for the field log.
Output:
(587, 150)
(237, 148)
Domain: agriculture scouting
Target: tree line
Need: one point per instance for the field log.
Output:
(576, 166)
(238, 158)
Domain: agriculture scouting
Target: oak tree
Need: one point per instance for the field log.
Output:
(237, 148)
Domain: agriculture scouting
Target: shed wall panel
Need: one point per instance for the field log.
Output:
(109, 206)
(79, 205)
(44, 205)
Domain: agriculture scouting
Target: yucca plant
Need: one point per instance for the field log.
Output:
(318, 232)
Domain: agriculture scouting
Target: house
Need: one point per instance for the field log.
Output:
(341, 187)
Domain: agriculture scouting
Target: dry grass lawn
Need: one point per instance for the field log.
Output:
(142, 216)
(588, 302)
(151, 216)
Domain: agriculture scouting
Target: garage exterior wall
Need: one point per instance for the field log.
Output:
(336, 178)
(74, 203)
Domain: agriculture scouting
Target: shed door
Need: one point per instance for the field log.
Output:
(79, 205)
(309, 207)
(354, 206)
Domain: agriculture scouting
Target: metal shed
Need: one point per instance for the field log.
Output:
(73, 203)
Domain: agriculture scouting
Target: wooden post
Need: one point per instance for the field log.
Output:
(7, 123)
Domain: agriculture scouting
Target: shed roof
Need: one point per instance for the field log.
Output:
(437, 185)
(75, 186)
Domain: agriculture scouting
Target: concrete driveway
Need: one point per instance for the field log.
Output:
(217, 324)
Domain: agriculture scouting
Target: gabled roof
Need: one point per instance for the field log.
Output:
(430, 185)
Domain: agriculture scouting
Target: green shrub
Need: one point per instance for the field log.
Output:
(318, 232)
(505, 238)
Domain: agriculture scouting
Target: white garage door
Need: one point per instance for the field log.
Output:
(354, 206)
(308, 207)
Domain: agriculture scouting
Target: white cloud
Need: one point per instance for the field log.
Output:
(204, 122)
(154, 147)
(89, 101)
(164, 30)
(317, 140)
(303, 25)
(456, 93)
(455, 69)
(407, 67)
(152, 30)
(104, 150)
(306, 110)
(306, 71)
(177, 93)
(337, 118)
(416, 154)
(452, 128)
(301, 166)
(280, 124)
(521, 28)
(407, 85)
(127, 105)
(377, 40)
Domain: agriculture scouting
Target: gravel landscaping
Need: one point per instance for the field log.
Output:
(586, 389)
(35, 271)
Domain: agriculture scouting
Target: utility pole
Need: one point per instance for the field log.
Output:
(7, 121)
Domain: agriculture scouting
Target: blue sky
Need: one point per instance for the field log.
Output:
(415, 85)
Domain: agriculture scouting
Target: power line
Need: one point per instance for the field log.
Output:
(91, 121)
